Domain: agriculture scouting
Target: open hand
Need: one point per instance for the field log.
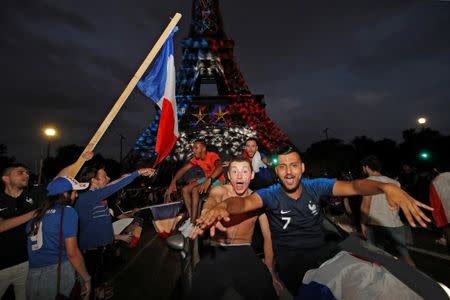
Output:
(212, 230)
(397, 197)
(172, 188)
(213, 217)
(85, 293)
(364, 230)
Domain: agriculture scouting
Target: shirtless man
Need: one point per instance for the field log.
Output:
(230, 261)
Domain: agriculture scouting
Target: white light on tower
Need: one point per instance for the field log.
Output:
(421, 120)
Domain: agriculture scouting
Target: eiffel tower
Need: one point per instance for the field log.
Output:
(214, 101)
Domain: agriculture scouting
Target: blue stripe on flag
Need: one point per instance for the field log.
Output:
(154, 83)
(165, 211)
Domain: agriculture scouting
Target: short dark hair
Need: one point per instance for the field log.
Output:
(200, 141)
(90, 172)
(10, 166)
(251, 139)
(241, 159)
(288, 149)
(372, 162)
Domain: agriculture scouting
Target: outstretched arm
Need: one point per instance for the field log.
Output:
(215, 196)
(394, 195)
(122, 182)
(231, 206)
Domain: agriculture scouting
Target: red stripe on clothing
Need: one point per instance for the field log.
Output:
(438, 213)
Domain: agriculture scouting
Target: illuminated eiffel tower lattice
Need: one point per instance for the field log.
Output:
(214, 101)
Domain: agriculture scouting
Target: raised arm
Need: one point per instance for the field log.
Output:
(394, 195)
(66, 171)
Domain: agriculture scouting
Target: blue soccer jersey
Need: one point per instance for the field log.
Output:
(44, 246)
(296, 223)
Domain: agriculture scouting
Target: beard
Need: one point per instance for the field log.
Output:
(290, 190)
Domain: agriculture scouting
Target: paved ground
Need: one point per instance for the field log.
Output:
(152, 270)
(431, 258)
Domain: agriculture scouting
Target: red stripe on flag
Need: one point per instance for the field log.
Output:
(438, 213)
(165, 139)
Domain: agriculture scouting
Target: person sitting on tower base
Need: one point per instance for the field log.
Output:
(211, 165)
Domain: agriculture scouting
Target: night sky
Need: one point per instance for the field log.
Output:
(355, 67)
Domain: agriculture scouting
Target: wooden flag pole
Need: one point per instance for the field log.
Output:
(124, 96)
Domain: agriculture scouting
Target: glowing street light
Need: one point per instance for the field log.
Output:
(424, 155)
(50, 131)
(422, 120)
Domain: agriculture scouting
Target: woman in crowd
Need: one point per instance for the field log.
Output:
(52, 244)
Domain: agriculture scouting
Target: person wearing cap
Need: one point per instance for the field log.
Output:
(52, 239)
(18, 203)
(96, 231)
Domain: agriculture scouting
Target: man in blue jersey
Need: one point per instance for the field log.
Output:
(96, 232)
(293, 208)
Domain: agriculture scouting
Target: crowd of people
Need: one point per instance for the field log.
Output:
(62, 234)
(56, 239)
(290, 212)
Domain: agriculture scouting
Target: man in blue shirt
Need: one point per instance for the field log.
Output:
(96, 232)
(293, 208)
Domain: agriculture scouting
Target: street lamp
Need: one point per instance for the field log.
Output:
(50, 133)
(422, 121)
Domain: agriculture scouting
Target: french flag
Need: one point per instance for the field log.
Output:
(159, 85)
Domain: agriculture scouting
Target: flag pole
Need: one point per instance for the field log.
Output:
(125, 94)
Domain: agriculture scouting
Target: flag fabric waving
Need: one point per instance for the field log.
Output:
(159, 85)
(165, 217)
